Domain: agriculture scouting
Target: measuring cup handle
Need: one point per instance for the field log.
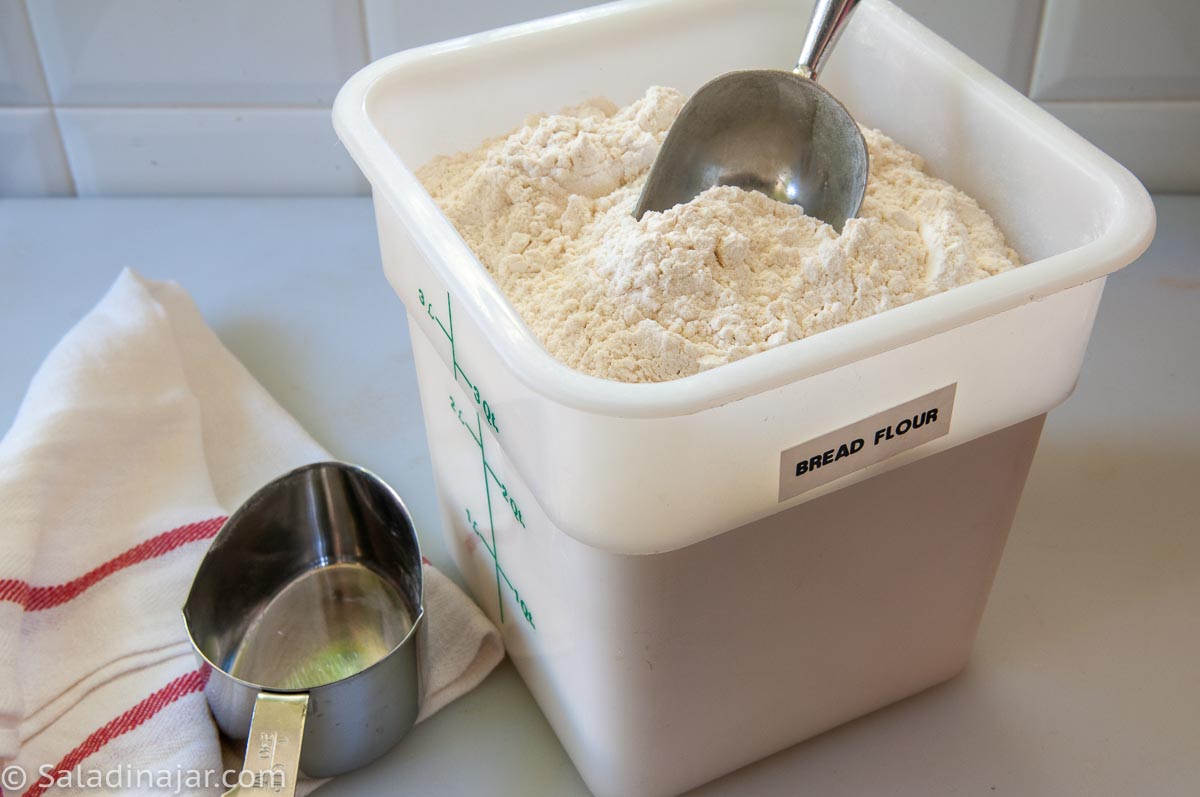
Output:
(827, 22)
(272, 762)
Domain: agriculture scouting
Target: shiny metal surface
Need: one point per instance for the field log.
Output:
(776, 132)
(313, 588)
(272, 761)
(327, 624)
(826, 24)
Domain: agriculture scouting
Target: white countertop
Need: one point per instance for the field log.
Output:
(1086, 675)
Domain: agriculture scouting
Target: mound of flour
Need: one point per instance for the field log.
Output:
(547, 209)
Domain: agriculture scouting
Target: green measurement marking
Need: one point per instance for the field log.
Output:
(448, 330)
(487, 466)
(492, 552)
(487, 492)
(489, 476)
(483, 414)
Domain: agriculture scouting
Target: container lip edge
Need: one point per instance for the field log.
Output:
(1123, 240)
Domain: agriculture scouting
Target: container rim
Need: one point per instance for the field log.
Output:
(1131, 227)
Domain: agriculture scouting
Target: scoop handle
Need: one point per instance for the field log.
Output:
(273, 747)
(827, 22)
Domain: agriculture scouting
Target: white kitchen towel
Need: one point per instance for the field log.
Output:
(138, 436)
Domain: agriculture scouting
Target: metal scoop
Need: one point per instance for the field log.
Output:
(766, 130)
(307, 609)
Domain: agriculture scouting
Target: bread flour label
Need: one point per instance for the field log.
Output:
(865, 442)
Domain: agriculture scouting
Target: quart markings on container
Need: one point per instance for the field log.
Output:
(483, 413)
(489, 475)
(488, 471)
(448, 330)
(502, 575)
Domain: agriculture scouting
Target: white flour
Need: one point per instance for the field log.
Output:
(548, 208)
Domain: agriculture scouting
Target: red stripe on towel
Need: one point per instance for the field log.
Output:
(35, 599)
(182, 686)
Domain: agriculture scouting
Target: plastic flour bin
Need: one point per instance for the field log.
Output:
(687, 575)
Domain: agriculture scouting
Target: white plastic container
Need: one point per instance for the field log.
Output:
(672, 616)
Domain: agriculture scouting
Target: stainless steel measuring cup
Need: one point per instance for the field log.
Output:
(307, 607)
